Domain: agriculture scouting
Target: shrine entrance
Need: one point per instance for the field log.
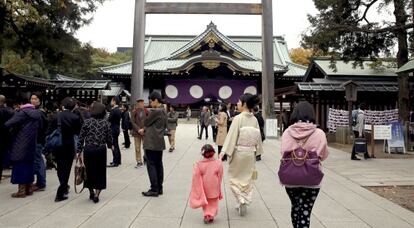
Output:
(265, 9)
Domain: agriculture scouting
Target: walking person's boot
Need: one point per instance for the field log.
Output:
(29, 189)
(91, 194)
(21, 192)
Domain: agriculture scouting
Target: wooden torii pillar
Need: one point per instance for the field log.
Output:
(265, 9)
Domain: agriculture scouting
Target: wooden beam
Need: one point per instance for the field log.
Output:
(137, 77)
(268, 79)
(203, 8)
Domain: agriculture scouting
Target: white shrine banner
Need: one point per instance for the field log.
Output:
(337, 118)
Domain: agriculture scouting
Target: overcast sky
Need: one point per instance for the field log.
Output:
(113, 22)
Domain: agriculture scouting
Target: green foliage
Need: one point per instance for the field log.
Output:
(102, 58)
(41, 34)
(26, 65)
(343, 27)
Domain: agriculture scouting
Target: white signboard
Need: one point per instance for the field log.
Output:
(271, 128)
(382, 132)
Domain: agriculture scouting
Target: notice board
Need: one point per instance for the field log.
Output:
(271, 128)
(396, 143)
(382, 132)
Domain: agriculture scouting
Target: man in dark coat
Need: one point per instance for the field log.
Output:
(5, 114)
(115, 119)
(261, 122)
(126, 125)
(230, 114)
(24, 124)
(154, 144)
(138, 117)
(39, 162)
(70, 126)
(204, 121)
(172, 123)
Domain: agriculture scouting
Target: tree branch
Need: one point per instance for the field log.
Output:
(350, 28)
(364, 16)
(15, 28)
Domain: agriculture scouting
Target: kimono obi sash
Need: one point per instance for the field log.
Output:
(249, 138)
(245, 148)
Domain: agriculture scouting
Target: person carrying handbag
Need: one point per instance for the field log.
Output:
(94, 137)
(242, 144)
(303, 148)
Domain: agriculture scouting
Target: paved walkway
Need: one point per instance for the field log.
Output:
(341, 203)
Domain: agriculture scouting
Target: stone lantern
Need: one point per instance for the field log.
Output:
(350, 96)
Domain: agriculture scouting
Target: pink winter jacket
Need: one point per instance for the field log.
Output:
(298, 132)
(206, 184)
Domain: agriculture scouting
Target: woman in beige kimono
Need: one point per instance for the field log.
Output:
(222, 127)
(242, 144)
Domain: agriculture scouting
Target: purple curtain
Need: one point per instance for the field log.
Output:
(192, 91)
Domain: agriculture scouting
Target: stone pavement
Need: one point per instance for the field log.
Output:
(341, 203)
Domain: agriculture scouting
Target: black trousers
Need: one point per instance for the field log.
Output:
(127, 141)
(302, 200)
(64, 160)
(214, 129)
(2, 154)
(353, 154)
(219, 151)
(155, 169)
(201, 131)
(116, 152)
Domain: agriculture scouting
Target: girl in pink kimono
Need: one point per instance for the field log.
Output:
(206, 184)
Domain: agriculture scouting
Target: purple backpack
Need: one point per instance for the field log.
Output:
(300, 167)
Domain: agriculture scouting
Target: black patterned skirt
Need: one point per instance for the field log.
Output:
(95, 163)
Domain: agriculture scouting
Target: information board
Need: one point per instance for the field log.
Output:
(382, 132)
(271, 128)
(396, 143)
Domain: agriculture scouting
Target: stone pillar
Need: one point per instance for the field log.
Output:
(268, 84)
(137, 77)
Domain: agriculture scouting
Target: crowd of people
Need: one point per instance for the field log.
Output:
(84, 132)
(87, 133)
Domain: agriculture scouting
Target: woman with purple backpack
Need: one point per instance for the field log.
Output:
(303, 148)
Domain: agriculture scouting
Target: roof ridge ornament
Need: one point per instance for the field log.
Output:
(211, 25)
(210, 53)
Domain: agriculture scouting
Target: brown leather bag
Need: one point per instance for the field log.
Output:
(80, 173)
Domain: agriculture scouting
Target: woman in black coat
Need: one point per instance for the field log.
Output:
(24, 125)
(95, 135)
(261, 122)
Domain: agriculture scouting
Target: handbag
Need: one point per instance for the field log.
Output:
(254, 175)
(167, 132)
(54, 140)
(80, 173)
(300, 167)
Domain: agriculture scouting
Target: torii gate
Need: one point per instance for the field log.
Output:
(265, 9)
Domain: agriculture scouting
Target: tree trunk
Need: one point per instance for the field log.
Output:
(2, 21)
(402, 58)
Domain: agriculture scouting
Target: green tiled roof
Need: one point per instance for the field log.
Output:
(337, 86)
(82, 84)
(160, 50)
(408, 67)
(343, 68)
(122, 69)
(212, 29)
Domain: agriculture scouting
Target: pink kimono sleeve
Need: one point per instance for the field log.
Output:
(197, 194)
(220, 175)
